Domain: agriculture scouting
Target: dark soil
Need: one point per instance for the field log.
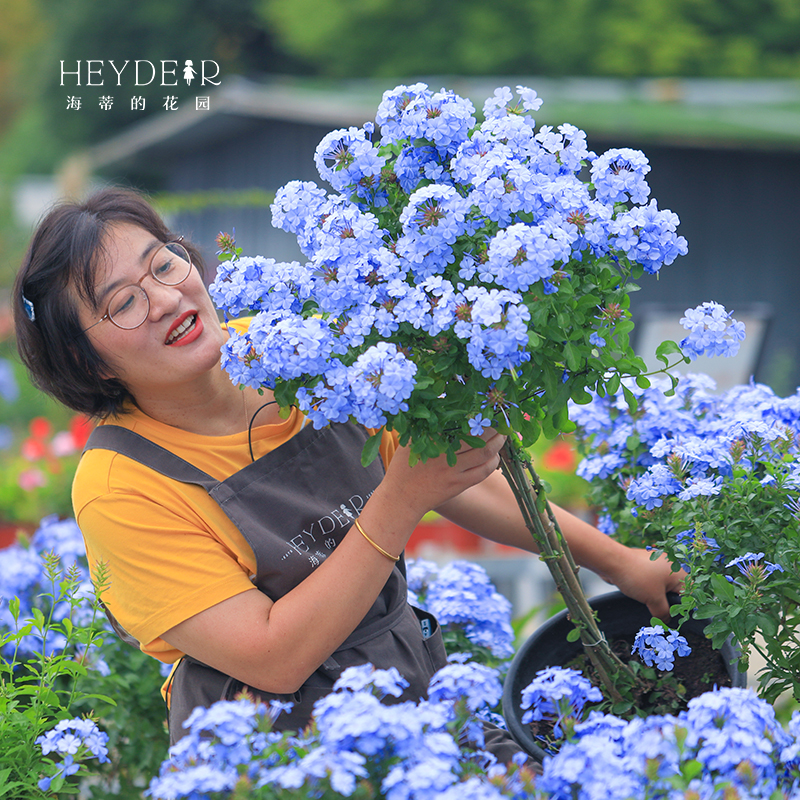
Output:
(669, 693)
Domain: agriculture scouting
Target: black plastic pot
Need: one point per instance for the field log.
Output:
(619, 616)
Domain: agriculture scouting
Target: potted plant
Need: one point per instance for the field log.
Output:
(462, 275)
(712, 480)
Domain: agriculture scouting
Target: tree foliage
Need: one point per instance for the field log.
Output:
(735, 38)
(227, 31)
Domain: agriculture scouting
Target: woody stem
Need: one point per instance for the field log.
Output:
(553, 549)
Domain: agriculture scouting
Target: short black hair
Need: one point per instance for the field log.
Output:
(58, 269)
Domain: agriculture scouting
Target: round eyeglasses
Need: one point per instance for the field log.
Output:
(129, 306)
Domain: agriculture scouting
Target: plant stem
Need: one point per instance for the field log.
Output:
(541, 523)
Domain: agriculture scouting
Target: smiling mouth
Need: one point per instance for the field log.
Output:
(182, 329)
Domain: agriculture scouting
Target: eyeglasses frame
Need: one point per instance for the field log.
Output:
(138, 284)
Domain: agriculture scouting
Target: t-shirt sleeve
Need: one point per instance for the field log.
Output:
(389, 446)
(163, 567)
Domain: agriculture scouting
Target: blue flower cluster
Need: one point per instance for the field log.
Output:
(686, 442)
(712, 331)
(461, 595)
(74, 740)
(656, 646)
(751, 566)
(727, 743)
(556, 693)
(438, 239)
(712, 480)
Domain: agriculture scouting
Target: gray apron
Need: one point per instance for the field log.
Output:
(294, 506)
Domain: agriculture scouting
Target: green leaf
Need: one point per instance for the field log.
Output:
(573, 354)
(581, 396)
(724, 589)
(621, 708)
(38, 618)
(371, 448)
(630, 399)
(666, 349)
(691, 769)
(573, 635)
(767, 625)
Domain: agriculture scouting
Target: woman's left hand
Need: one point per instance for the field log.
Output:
(647, 580)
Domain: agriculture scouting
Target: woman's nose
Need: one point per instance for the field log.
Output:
(163, 299)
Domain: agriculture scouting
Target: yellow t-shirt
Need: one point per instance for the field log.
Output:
(170, 549)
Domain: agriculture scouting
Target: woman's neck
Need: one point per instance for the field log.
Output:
(218, 408)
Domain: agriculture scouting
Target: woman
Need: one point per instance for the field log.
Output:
(268, 561)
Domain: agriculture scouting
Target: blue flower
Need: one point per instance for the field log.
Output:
(520, 255)
(295, 205)
(71, 738)
(655, 646)
(751, 566)
(701, 487)
(730, 726)
(340, 767)
(63, 770)
(462, 594)
(385, 681)
(647, 235)
(658, 482)
(590, 770)
(194, 782)
(348, 161)
(427, 774)
(618, 175)
(478, 423)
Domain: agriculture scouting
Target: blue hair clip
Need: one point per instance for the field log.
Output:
(29, 310)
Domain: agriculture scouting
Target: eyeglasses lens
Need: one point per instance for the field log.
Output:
(171, 264)
(129, 307)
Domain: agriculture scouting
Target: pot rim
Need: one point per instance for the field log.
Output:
(512, 690)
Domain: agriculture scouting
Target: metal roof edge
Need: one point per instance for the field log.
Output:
(769, 108)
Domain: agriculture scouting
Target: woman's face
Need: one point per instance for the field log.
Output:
(179, 341)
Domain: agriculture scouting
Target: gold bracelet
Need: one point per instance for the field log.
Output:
(375, 544)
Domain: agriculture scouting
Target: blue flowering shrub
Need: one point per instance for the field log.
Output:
(727, 744)
(60, 671)
(473, 615)
(713, 479)
(47, 634)
(460, 275)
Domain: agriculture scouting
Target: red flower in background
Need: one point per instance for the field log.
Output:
(80, 427)
(560, 457)
(41, 444)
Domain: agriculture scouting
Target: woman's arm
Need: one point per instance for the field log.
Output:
(276, 646)
(490, 510)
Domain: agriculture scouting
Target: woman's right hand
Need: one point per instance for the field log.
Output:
(426, 485)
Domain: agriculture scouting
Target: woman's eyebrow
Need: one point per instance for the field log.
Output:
(120, 282)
